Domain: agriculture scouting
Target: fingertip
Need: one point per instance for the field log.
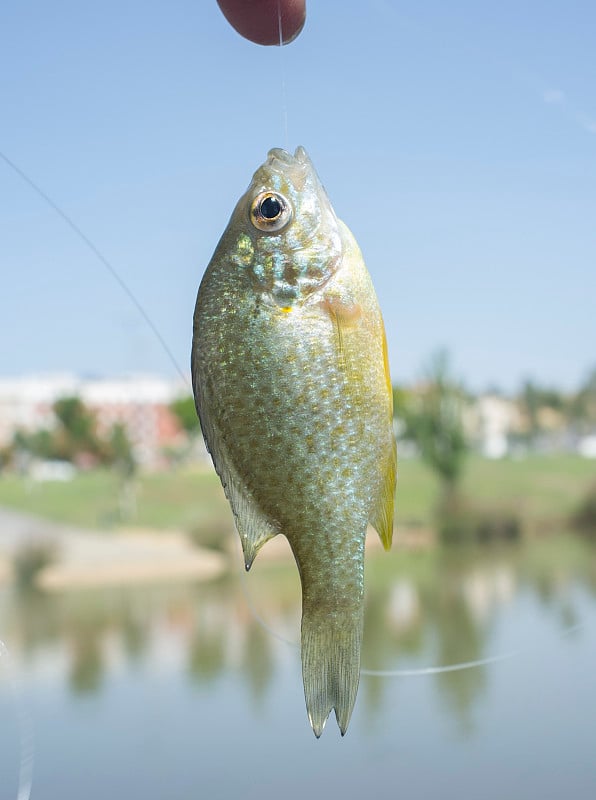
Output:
(259, 20)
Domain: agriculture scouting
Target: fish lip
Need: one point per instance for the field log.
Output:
(281, 165)
(285, 159)
(279, 154)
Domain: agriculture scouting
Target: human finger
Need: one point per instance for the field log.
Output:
(259, 20)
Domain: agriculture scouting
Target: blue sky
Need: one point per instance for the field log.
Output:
(458, 141)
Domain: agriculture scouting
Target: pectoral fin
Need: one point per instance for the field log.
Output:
(343, 314)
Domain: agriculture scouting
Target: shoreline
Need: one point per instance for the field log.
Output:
(86, 558)
(90, 558)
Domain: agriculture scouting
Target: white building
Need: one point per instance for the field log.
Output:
(496, 418)
(140, 403)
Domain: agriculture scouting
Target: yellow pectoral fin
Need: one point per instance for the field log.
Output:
(343, 316)
(341, 309)
(382, 514)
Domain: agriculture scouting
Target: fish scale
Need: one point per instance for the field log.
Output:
(293, 393)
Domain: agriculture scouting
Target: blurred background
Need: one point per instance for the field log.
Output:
(458, 143)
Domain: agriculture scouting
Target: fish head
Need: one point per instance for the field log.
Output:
(285, 232)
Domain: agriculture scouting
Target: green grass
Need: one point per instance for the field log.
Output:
(89, 500)
(416, 493)
(176, 499)
(540, 488)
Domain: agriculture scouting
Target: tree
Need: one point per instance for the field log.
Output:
(37, 443)
(75, 419)
(122, 459)
(529, 401)
(582, 406)
(6, 456)
(121, 451)
(544, 408)
(185, 412)
(75, 433)
(433, 420)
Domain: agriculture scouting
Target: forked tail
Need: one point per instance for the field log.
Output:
(330, 664)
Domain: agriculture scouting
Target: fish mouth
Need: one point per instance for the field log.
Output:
(280, 159)
(297, 168)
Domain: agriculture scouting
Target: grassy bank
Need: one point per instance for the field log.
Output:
(542, 489)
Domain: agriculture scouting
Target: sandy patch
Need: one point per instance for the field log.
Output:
(128, 558)
(5, 571)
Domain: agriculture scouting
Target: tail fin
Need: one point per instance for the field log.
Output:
(330, 664)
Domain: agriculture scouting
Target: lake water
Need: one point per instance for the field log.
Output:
(179, 692)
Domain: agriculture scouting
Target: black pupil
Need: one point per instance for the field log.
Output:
(270, 208)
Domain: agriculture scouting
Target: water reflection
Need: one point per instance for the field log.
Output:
(423, 609)
(258, 663)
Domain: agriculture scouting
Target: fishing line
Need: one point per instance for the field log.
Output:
(398, 673)
(284, 99)
(24, 722)
(480, 662)
(100, 256)
(252, 608)
(26, 735)
(25, 726)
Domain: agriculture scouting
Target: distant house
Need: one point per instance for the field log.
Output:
(26, 402)
(586, 446)
(140, 403)
(496, 418)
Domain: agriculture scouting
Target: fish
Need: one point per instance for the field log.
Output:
(292, 388)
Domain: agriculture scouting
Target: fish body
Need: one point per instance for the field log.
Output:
(292, 388)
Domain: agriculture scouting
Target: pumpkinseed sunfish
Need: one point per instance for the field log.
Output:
(292, 388)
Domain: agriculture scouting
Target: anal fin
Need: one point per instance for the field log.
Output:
(252, 524)
(254, 530)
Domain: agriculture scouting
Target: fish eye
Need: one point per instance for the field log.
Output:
(270, 211)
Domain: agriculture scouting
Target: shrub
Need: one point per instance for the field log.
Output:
(460, 522)
(31, 558)
(584, 518)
